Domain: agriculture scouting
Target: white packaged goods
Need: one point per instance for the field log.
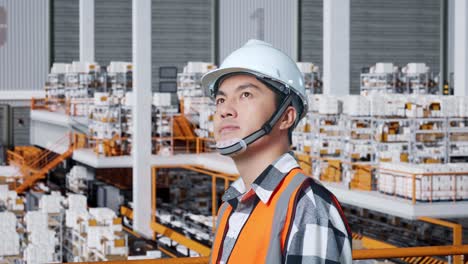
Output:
(162, 99)
(51, 203)
(414, 68)
(8, 233)
(7, 221)
(101, 99)
(43, 237)
(77, 202)
(355, 105)
(103, 231)
(128, 100)
(72, 217)
(38, 254)
(314, 101)
(36, 220)
(10, 199)
(388, 105)
(76, 179)
(59, 68)
(84, 67)
(119, 67)
(10, 245)
(103, 216)
(396, 179)
(198, 67)
(305, 67)
(329, 105)
(382, 67)
(463, 106)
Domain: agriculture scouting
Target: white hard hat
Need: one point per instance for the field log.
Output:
(272, 67)
(262, 60)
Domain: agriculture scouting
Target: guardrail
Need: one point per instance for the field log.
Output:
(359, 254)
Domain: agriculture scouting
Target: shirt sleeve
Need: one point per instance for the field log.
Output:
(318, 234)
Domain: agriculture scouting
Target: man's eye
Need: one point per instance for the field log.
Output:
(219, 100)
(246, 94)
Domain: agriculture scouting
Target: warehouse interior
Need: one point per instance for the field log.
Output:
(106, 137)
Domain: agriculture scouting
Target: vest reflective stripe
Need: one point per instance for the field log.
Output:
(262, 239)
(221, 210)
(275, 250)
(221, 223)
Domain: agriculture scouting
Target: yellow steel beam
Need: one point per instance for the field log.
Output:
(201, 260)
(167, 252)
(370, 243)
(384, 253)
(357, 254)
(456, 229)
(181, 239)
(130, 231)
(127, 212)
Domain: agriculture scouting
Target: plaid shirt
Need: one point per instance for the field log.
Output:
(319, 231)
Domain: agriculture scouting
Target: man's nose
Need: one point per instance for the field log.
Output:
(228, 110)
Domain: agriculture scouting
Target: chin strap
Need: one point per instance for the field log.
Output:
(241, 145)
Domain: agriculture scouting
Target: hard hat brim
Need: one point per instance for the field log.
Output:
(209, 79)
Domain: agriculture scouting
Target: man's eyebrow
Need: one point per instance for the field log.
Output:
(239, 88)
(247, 85)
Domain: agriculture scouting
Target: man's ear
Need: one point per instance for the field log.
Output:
(288, 118)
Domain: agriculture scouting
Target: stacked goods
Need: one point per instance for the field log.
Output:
(77, 206)
(448, 182)
(383, 105)
(386, 78)
(418, 79)
(105, 124)
(329, 170)
(119, 78)
(8, 233)
(51, 203)
(362, 178)
(55, 85)
(380, 78)
(354, 105)
(301, 136)
(76, 179)
(189, 81)
(328, 105)
(163, 121)
(194, 226)
(382, 128)
(93, 234)
(42, 240)
(69, 85)
(200, 112)
(10, 199)
(312, 77)
(457, 131)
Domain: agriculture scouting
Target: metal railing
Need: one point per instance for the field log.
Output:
(359, 254)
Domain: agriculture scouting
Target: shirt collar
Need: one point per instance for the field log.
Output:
(265, 184)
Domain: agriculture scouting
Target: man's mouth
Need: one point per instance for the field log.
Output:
(228, 129)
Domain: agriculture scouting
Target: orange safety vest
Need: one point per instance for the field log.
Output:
(264, 235)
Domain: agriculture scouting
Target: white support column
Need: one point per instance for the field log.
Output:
(87, 30)
(461, 48)
(336, 18)
(142, 96)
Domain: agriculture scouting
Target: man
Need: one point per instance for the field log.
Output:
(273, 213)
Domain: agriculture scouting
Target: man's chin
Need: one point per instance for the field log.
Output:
(227, 142)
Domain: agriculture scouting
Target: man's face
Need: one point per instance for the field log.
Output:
(243, 105)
